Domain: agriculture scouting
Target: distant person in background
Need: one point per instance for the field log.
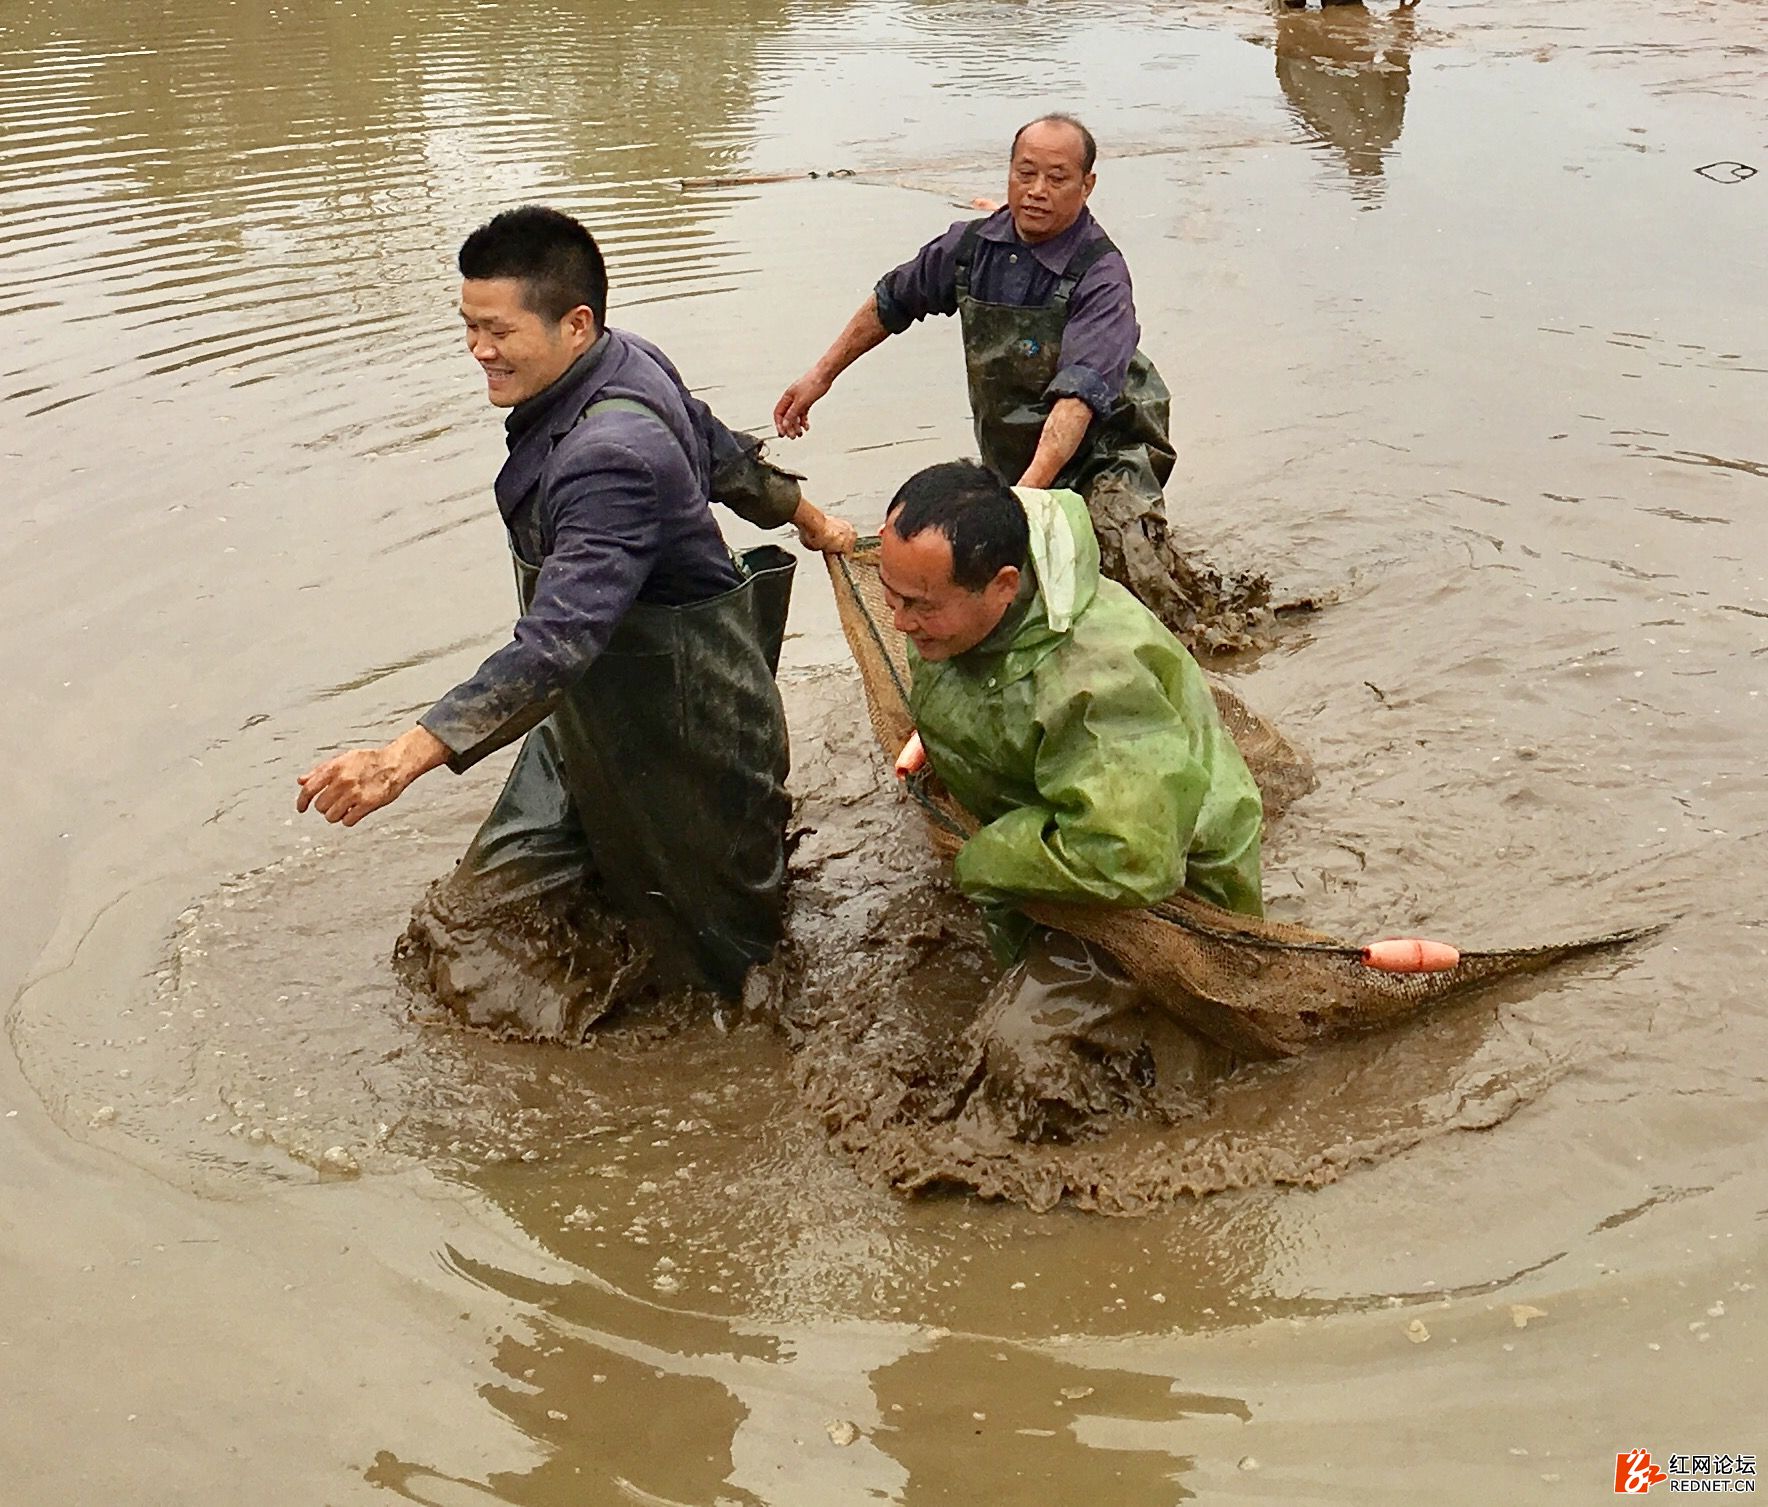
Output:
(1346, 76)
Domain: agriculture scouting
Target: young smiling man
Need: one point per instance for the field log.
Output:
(1059, 393)
(641, 669)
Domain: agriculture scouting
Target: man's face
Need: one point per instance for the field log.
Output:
(520, 352)
(940, 617)
(1047, 186)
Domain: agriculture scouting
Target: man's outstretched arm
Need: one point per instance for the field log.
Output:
(927, 283)
(607, 538)
(863, 332)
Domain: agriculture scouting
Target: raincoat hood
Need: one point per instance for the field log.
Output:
(1064, 567)
(1064, 552)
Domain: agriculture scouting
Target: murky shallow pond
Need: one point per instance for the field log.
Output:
(1455, 329)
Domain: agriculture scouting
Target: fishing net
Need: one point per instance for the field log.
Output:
(1261, 988)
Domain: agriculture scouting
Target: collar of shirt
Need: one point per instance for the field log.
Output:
(551, 406)
(1000, 637)
(1053, 254)
(534, 423)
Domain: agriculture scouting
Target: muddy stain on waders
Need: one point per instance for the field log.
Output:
(1011, 355)
(638, 842)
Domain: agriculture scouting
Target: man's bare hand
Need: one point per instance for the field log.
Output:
(836, 537)
(862, 332)
(818, 531)
(347, 786)
(791, 414)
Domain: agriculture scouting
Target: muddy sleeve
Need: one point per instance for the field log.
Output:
(1100, 337)
(741, 477)
(925, 284)
(606, 540)
(1119, 793)
(749, 484)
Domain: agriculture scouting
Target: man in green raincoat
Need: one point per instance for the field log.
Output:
(1075, 728)
(1060, 394)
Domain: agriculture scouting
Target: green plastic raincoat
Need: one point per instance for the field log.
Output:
(1084, 738)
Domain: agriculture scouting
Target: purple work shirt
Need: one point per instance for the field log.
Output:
(613, 511)
(1101, 334)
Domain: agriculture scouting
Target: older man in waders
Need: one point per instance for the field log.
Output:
(642, 667)
(1059, 392)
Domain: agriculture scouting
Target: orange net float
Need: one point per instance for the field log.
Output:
(1411, 955)
(912, 759)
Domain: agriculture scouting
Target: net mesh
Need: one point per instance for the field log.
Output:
(1262, 988)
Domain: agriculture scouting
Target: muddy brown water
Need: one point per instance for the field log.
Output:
(1455, 331)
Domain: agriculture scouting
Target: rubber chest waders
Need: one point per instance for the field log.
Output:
(660, 778)
(1011, 355)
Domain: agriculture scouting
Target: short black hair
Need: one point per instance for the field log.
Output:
(1089, 149)
(975, 510)
(554, 258)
